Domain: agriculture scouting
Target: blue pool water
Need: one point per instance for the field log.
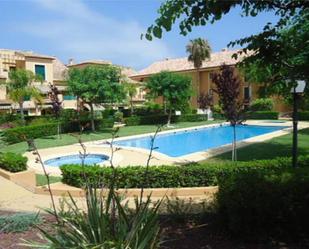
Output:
(186, 142)
(75, 159)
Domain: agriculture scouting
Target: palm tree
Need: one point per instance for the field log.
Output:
(198, 50)
(131, 90)
(20, 86)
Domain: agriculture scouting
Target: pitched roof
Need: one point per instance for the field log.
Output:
(182, 64)
(96, 62)
(60, 69)
(35, 55)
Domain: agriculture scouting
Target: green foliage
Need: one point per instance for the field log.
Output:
(174, 88)
(258, 203)
(19, 134)
(20, 222)
(161, 119)
(262, 115)
(132, 121)
(13, 162)
(41, 121)
(193, 175)
(8, 117)
(262, 104)
(106, 223)
(304, 115)
(199, 50)
(96, 85)
(118, 116)
(107, 123)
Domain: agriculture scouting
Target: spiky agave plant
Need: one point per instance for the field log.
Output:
(96, 228)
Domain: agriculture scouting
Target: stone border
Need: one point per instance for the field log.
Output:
(25, 179)
(60, 189)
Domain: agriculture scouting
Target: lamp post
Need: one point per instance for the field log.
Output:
(297, 90)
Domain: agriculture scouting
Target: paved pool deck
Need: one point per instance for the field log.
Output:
(138, 156)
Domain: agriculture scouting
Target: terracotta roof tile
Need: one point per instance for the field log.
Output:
(182, 64)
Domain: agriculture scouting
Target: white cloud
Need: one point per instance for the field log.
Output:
(77, 31)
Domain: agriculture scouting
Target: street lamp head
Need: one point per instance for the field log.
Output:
(300, 87)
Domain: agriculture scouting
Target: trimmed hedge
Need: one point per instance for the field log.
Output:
(257, 203)
(303, 116)
(13, 162)
(195, 175)
(162, 119)
(263, 115)
(19, 134)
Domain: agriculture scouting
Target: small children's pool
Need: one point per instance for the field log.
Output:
(76, 159)
(175, 144)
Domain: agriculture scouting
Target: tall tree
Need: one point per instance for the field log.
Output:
(20, 86)
(56, 103)
(96, 85)
(199, 50)
(174, 88)
(228, 89)
(131, 90)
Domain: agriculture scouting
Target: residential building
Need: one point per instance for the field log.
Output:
(249, 91)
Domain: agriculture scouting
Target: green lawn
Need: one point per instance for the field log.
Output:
(41, 179)
(276, 147)
(67, 139)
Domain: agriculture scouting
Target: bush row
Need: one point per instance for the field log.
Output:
(18, 134)
(304, 115)
(162, 119)
(13, 162)
(170, 176)
(263, 115)
(259, 203)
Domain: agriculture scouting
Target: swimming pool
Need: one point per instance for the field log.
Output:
(177, 144)
(76, 159)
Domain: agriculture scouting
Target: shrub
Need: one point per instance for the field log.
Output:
(255, 203)
(118, 116)
(217, 109)
(18, 134)
(41, 121)
(18, 222)
(107, 123)
(13, 162)
(8, 117)
(263, 115)
(195, 175)
(133, 120)
(304, 115)
(263, 104)
(192, 118)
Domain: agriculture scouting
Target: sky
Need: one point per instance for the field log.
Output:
(109, 30)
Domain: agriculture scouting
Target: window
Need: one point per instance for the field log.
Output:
(69, 97)
(40, 70)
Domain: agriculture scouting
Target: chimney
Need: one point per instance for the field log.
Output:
(71, 61)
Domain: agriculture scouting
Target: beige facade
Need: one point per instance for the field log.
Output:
(248, 92)
(50, 68)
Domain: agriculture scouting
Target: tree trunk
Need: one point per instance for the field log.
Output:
(169, 117)
(234, 152)
(131, 103)
(92, 117)
(22, 115)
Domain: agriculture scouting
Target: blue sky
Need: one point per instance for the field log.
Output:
(108, 30)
